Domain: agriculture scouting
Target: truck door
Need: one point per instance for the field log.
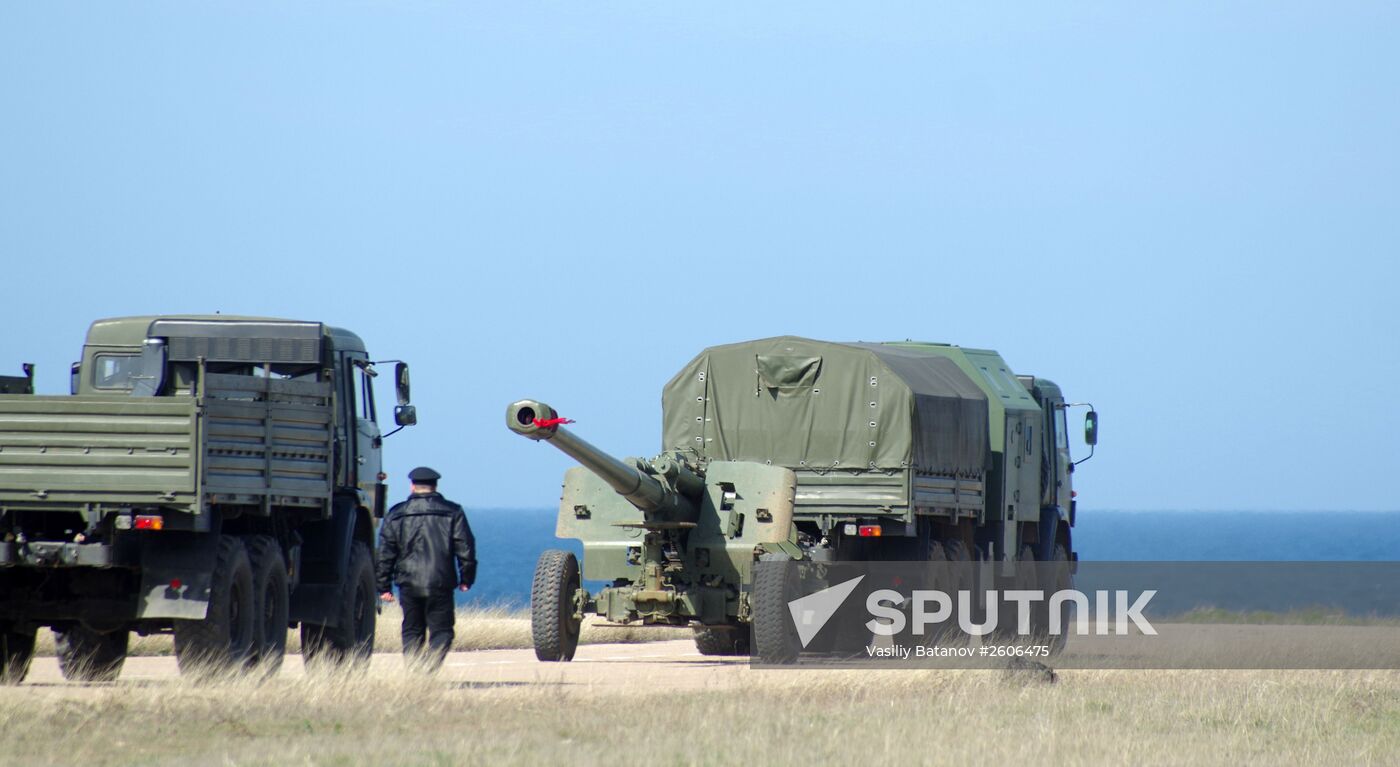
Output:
(367, 461)
(1062, 475)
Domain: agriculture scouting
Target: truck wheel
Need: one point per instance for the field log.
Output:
(1025, 580)
(270, 603)
(1058, 570)
(960, 571)
(722, 640)
(775, 637)
(939, 574)
(85, 655)
(553, 625)
(16, 650)
(350, 643)
(223, 640)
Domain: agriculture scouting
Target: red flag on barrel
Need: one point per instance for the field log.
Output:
(545, 423)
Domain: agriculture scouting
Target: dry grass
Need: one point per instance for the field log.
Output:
(477, 628)
(834, 717)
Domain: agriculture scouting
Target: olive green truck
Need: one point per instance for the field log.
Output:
(214, 477)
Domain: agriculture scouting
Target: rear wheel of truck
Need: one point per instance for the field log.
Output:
(350, 643)
(722, 640)
(774, 585)
(1025, 579)
(16, 650)
(270, 603)
(554, 626)
(85, 655)
(960, 572)
(223, 640)
(938, 575)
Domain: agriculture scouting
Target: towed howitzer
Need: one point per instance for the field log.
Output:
(674, 538)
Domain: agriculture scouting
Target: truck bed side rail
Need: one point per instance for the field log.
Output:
(62, 451)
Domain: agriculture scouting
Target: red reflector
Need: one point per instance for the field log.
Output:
(175, 584)
(383, 476)
(870, 531)
(150, 522)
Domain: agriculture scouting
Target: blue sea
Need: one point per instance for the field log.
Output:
(509, 541)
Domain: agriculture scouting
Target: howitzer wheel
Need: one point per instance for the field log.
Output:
(775, 637)
(554, 626)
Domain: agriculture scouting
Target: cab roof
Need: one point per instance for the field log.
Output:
(133, 331)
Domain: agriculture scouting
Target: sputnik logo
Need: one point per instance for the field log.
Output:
(811, 612)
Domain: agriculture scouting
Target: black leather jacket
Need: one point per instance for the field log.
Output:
(426, 545)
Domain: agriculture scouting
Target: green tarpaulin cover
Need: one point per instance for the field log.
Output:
(818, 405)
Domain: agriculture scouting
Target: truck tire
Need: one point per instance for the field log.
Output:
(1060, 580)
(938, 575)
(1025, 580)
(554, 628)
(775, 637)
(960, 568)
(85, 655)
(350, 643)
(16, 650)
(270, 603)
(223, 640)
(722, 640)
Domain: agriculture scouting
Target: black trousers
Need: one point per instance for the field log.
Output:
(431, 614)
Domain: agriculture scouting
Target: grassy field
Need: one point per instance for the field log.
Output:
(735, 715)
(846, 717)
(488, 628)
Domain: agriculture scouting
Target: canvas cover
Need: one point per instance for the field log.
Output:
(817, 405)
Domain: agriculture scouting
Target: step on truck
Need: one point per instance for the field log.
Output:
(213, 477)
(795, 450)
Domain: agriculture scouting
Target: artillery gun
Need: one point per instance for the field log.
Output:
(791, 448)
(675, 537)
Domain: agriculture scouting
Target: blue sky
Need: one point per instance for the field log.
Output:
(1188, 214)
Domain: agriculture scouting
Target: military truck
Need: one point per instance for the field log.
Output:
(794, 449)
(215, 477)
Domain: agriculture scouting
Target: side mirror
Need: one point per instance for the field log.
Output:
(1091, 428)
(74, 377)
(405, 415)
(401, 383)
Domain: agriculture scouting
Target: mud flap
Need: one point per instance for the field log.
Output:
(177, 572)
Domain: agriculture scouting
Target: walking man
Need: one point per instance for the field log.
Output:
(426, 548)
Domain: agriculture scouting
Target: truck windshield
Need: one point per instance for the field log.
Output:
(114, 371)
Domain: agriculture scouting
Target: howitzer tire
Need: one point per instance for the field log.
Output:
(16, 650)
(85, 655)
(722, 640)
(223, 640)
(270, 603)
(775, 583)
(554, 626)
(350, 643)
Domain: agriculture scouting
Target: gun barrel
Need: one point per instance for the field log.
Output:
(537, 421)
